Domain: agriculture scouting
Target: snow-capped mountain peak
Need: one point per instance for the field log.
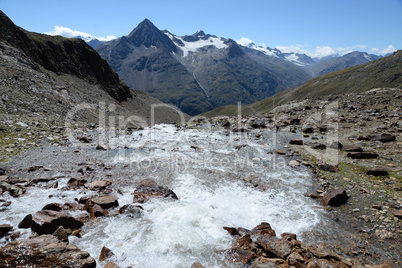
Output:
(190, 43)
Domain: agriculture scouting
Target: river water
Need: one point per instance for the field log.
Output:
(221, 179)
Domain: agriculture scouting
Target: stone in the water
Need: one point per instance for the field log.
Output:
(197, 265)
(335, 198)
(99, 184)
(293, 163)
(5, 228)
(131, 210)
(239, 255)
(53, 206)
(44, 251)
(106, 253)
(47, 221)
(378, 171)
(106, 202)
(232, 231)
(26, 222)
(263, 229)
(143, 194)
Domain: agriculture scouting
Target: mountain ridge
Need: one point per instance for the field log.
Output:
(382, 73)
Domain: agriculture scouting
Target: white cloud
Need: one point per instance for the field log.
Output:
(319, 51)
(69, 33)
(244, 41)
(387, 50)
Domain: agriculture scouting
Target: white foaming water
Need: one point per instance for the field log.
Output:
(209, 181)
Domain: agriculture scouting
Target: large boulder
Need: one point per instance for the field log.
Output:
(148, 189)
(44, 251)
(106, 202)
(335, 198)
(47, 221)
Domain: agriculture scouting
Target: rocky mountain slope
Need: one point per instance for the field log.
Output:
(44, 78)
(382, 73)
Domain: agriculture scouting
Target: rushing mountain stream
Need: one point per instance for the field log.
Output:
(221, 179)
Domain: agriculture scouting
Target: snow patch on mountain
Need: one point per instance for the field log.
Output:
(250, 44)
(293, 58)
(188, 47)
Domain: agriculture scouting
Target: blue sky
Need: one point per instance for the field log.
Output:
(311, 26)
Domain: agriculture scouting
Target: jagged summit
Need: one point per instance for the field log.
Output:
(147, 34)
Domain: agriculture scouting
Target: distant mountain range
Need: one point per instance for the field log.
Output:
(385, 72)
(200, 72)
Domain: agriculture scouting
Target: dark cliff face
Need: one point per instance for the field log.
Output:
(63, 55)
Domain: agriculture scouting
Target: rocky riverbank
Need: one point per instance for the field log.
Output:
(359, 198)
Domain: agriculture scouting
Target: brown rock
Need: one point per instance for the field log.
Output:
(232, 231)
(26, 222)
(99, 184)
(378, 171)
(143, 194)
(362, 155)
(288, 236)
(53, 206)
(296, 142)
(383, 137)
(61, 234)
(328, 167)
(44, 251)
(106, 253)
(335, 198)
(274, 246)
(244, 242)
(111, 265)
(397, 213)
(77, 233)
(131, 210)
(4, 229)
(280, 151)
(106, 202)
(197, 265)
(47, 221)
(238, 255)
(263, 229)
(148, 182)
(318, 146)
(96, 211)
(72, 206)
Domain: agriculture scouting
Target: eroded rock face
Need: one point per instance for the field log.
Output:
(47, 221)
(44, 251)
